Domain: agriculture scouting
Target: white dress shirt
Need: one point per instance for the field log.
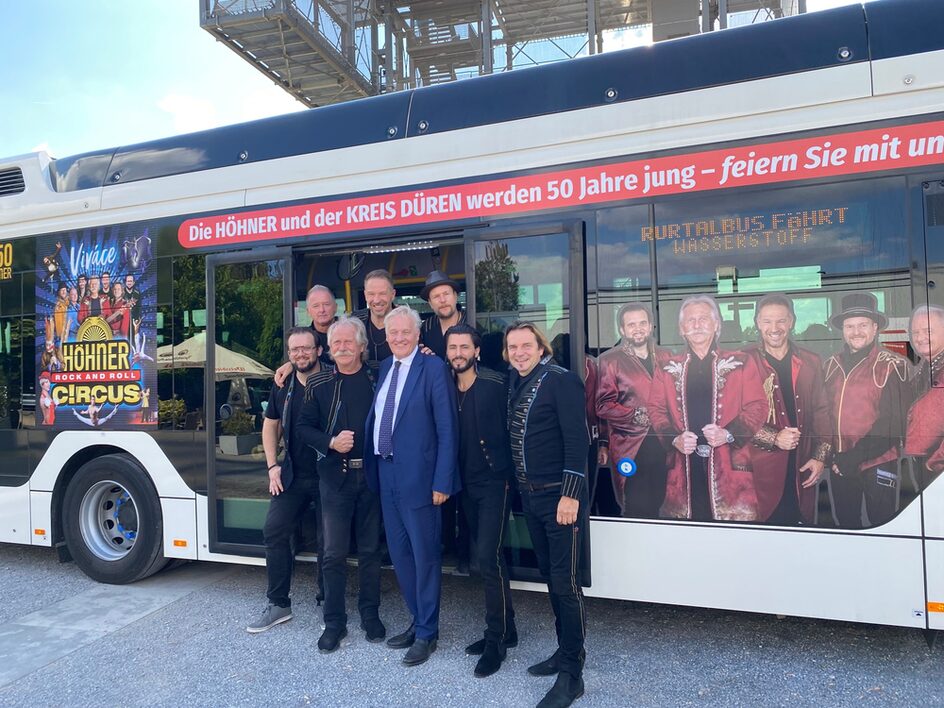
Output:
(381, 397)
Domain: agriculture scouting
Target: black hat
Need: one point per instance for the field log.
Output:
(859, 305)
(437, 277)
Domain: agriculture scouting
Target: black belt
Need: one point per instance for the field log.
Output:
(525, 485)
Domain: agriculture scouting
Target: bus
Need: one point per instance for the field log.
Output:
(145, 291)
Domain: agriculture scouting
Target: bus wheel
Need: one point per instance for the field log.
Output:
(112, 521)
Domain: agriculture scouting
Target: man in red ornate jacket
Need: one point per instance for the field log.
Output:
(790, 451)
(924, 437)
(869, 397)
(623, 385)
(708, 404)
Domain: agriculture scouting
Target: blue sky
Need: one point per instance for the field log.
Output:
(93, 74)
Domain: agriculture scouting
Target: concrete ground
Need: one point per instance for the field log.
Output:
(179, 639)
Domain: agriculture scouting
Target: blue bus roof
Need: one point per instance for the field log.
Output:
(844, 35)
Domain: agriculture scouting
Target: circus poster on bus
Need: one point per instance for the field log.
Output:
(95, 329)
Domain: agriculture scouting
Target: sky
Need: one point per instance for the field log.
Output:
(95, 74)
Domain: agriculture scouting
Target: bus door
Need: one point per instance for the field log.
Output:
(533, 273)
(248, 306)
(933, 497)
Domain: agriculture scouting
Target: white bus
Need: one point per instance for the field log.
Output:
(145, 290)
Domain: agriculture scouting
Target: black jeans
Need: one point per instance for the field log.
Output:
(353, 502)
(282, 520)
(455, 530)
(486, 507)
(558, 549)
(879, 486)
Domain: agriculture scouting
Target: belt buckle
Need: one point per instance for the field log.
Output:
(703, 450)
(356, 464)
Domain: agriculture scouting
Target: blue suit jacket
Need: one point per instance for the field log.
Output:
(425, 434)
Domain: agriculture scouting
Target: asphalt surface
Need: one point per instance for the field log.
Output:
(179, 639)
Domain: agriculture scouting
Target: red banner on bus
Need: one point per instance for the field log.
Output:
(834, 155)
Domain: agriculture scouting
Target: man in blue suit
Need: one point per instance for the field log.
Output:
(410, 457)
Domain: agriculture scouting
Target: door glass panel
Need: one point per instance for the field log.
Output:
(525, 278)
(248, 348)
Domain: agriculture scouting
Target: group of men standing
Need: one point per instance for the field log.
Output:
(393, 430)
(747, 435)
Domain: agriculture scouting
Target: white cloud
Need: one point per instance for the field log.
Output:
(189, 113)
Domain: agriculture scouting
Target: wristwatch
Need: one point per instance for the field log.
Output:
(730, 438)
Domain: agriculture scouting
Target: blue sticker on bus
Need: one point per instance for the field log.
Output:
(626, 467)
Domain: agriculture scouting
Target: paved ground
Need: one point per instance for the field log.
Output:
(179, 639)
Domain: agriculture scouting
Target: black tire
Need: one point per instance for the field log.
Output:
(111, 519)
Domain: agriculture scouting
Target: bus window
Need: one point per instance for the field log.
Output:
(623, 266)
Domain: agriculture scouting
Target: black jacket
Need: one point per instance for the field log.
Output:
(491, 417)
(323, 417)
(548, 429)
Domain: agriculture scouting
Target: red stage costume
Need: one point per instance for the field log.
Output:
(738, 405)
(924, 437)
(771, 465)
(868, 396)
(622, 401)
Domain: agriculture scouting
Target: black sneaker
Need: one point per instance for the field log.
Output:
(330, 639)
(272, 616)
(374, 630)
(565, 691)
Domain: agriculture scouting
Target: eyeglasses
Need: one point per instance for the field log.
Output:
(300, 350)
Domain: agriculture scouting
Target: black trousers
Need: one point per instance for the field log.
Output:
(558, 550)
(282, 520)
(644, 492)
(486, 506)
(455, 530)
(879, 487)
(353, 503)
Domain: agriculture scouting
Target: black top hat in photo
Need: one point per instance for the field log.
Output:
(437, 277)
(858, 305)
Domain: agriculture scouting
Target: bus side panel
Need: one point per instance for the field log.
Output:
(933, 500)
(140, 445)
(841, 576)
(180, 528)
(934, 550)
(15, 513)
(41, 518)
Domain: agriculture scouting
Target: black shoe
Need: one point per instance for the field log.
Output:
(374, 629)
(491, 661)
(476, 648)
(419, 652)
(565, 691)
(403, 640)
(462, 568)
(331, 639)
(548, 667)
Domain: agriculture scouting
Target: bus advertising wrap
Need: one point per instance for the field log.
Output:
(860, 152)
(95, 333)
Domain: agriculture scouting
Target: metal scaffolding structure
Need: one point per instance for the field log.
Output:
(329, 51)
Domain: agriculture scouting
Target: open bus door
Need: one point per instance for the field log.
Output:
(534, 273)
(249, 297)
(933, 498)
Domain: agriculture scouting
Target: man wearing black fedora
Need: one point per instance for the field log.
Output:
(867, 388)
(442, 294)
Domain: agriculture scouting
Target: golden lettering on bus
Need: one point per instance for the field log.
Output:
(775, 230)
(74, 394)
(96, 356)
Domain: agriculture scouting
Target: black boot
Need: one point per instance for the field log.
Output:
(491, 661)
(510, 642)
(565, 691)
(548, 667)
